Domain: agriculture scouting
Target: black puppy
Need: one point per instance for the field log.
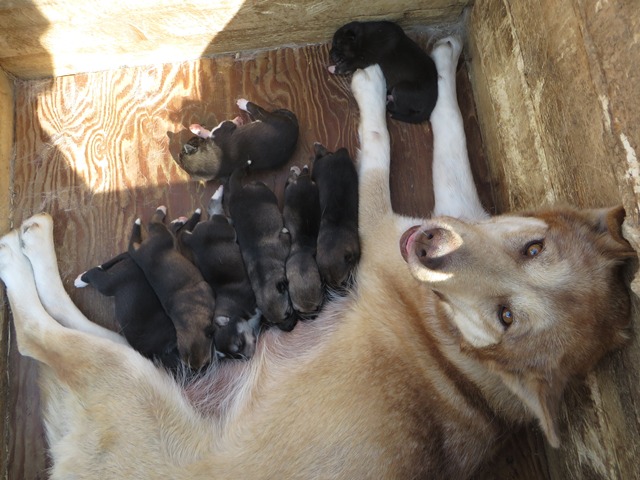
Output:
(139, 313)
(264, 243)
(213, 247)
(412, 79)
(183, 293)
(301, 215)
(265, 143)
(338, 241)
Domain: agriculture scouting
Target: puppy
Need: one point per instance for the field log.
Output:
(265, 143)
(301, 215)
(183, 293)
(411, 76)
(265, 244)
(213, 247)
(338, 241)
(139, 313)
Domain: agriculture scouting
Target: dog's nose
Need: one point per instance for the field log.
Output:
(432, 246)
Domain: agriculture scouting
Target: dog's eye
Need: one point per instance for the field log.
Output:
(505, 315)
(281, 286)
(534, 248)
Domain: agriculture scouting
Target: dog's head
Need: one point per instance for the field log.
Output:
(537, 298)
(346, 49)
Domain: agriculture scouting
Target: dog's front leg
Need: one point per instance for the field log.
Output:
(36, 236)
(453, 187)
(370, 91)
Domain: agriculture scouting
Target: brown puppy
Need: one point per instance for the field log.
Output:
(265, 143)
(338, 241)
(183, 293)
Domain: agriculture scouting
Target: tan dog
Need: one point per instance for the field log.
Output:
(416, 374)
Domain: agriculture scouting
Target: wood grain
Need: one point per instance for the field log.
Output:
(60, 37)
(93, 151)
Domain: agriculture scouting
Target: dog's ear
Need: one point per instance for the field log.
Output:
(608, 221)
(542, 397)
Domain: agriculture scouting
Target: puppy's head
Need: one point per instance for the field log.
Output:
(346, 52)
(273, 299)
(193, 319)
(235, 336)
(338, 254)
(305, 285)
(200, 158)
(537, 298)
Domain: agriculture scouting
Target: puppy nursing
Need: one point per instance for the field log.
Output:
(265, 143)
(458, 328)
(412, 80)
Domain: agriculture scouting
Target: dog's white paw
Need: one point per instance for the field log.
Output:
(446, 52)
(13, 264)
(36, 231)
(242, 104)
(369, 87)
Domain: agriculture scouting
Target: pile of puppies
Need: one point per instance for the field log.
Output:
(196, 287)
(203, 286)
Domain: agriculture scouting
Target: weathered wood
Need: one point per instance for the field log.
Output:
(6, 153)
(554, 84)
(60, 37)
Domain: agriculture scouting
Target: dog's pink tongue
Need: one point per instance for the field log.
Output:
(239, 121)
(332, 69)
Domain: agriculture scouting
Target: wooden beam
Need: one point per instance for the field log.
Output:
(59, 37)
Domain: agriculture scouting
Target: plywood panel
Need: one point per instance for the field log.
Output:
(59, 37)
(553, 83)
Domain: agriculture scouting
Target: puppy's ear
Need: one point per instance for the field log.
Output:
(608, 221)
(189, 149)
(542, 397)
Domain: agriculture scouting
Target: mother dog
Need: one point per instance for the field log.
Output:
(459, 326)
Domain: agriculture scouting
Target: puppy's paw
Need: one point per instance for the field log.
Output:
(215, 204)
(446, 52)
(78, 282)
(369, 87)
(242, 104)
(36, 231)
(199, 130)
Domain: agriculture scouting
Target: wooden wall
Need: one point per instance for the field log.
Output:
(557, 86)
(60, 37)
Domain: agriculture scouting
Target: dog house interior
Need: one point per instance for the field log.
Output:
(96, 98)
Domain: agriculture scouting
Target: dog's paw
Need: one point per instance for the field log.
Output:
(369, 87)
(35, 231)
(242, 104)
(10, 254)
(446, 52)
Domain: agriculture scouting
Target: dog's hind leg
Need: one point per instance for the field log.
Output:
(454, 190)
(369, 90)
(36, 239)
